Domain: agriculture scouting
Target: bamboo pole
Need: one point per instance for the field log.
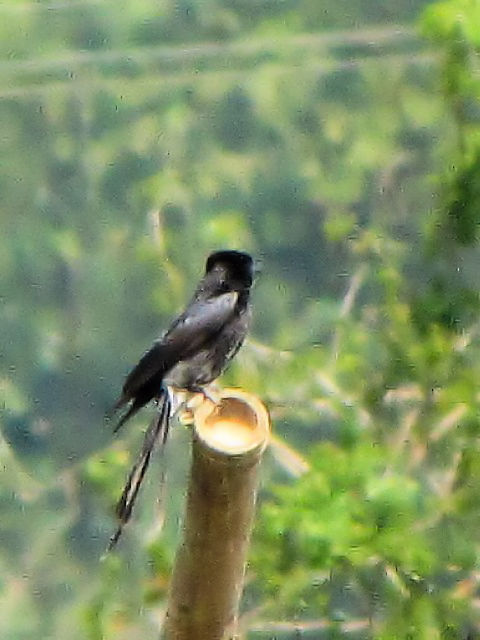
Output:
(228, 442)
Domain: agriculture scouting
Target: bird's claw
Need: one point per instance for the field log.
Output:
(208, 394)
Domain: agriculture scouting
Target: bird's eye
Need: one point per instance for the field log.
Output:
(224, 286)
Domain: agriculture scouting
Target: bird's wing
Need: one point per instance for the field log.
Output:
(197, 325)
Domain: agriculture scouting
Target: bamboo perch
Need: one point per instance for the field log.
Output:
(228, 443)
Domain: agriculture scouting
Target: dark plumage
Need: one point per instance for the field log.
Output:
(202, 340)
(192, 353)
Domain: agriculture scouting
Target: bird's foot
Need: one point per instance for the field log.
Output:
(198, 397)
(208, 393)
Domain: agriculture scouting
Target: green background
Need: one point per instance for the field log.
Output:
(339, 143)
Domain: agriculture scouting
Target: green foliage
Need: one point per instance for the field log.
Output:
(453, 232)
(346, 514)
(136, 141)
(381, 513)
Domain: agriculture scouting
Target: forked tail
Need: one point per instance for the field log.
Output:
(157, 431)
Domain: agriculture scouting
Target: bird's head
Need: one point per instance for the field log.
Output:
(236, 268)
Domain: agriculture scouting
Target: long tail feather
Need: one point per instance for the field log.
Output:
(158, 428)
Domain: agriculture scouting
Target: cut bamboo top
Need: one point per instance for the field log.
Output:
(239, 424)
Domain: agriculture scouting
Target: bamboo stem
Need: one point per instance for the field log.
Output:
(228, 443)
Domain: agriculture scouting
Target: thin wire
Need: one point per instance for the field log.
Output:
(244, 47)
(157, 80)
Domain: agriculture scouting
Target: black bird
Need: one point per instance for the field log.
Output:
(202, 340)
(190, 355)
